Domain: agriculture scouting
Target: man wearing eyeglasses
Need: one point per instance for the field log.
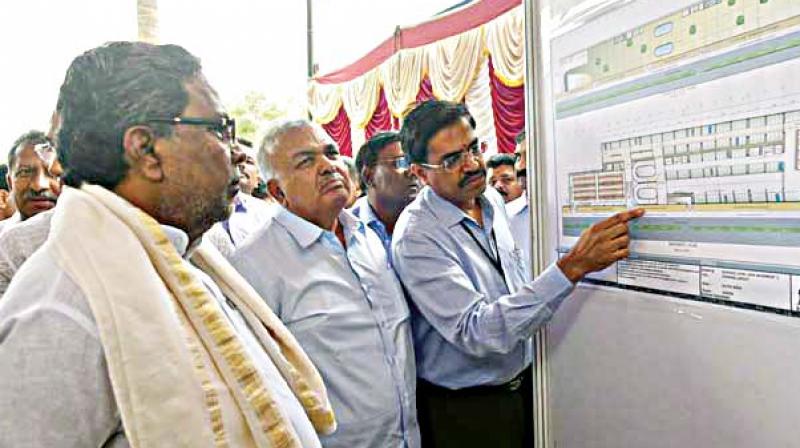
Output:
(474, 309)
(389, 184)
(133, 344)
(33, 175)
(327, 277)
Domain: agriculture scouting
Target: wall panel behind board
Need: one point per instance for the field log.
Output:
(629, 369)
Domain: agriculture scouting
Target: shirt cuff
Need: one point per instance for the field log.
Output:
(555, 283)
(559, 280)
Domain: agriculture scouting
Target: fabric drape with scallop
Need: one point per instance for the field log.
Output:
(339, 130)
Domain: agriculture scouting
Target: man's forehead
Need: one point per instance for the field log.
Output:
(460, 131)
(29, 154)
(304, 138)
(391, 150)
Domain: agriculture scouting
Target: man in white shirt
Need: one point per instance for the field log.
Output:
(33, 175)
(518, 214)
(108, 336)
(503, 176)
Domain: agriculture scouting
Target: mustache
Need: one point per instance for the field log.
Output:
(469, 177)
(331, 176)
(38, 196)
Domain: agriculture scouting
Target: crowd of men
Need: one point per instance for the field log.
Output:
(165, 283)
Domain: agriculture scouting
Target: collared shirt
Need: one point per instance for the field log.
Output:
(345, 307)
(520, 220)
(249, 214)
(471, 322)
(54, 383)
(6, 224)
(19, 242)
(365, 213)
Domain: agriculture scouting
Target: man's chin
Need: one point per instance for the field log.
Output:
(477, 188)
(335, 200)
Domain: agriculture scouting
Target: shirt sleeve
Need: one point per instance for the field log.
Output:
(464, 316)
(54, 386)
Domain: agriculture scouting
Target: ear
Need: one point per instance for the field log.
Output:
(140, 153)
(4, 198)
(276, 192)
(420, 172)
(366, 175)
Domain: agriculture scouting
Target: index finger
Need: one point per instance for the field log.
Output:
(619, 218)
(628, 215)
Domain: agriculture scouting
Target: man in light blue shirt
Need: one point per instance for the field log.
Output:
(388, 183)
(327, 277)
(473, 310)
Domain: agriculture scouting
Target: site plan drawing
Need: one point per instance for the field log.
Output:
(694, 114)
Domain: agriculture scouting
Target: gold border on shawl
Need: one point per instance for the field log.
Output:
(225, 342)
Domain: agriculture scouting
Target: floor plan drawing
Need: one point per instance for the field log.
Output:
(691, 111)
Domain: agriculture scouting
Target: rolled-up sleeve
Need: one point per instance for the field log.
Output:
(478, 325)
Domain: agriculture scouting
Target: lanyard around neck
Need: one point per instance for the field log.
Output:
(495, 261)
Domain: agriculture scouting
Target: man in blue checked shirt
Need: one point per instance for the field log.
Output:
(388, 183)
(473, 310)
(328, 278)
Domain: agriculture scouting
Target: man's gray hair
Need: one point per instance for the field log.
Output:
(272, 139)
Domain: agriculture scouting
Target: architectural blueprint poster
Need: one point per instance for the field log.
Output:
(691, 110)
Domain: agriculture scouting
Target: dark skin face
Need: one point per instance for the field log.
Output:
(188, 180)
(504, 179)
(522, 162)
(463, 185)
(310, 178)
(35, 181)
(248, 171)
(390, 189)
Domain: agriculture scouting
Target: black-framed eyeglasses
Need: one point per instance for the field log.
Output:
(399, 163)
(224, 128)
(455, 161)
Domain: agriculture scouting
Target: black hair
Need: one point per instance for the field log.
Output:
(424, 121)
(32, 137)
(109, 89)
(500, 160)
(520, 137)
(3, 179)
(368, 153)
(260, 191)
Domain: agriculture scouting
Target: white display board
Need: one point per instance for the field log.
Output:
(692, 110)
